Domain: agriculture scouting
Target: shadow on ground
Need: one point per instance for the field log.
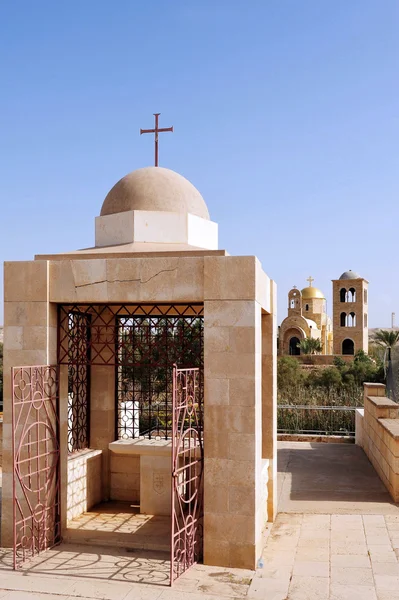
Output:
(323, 478)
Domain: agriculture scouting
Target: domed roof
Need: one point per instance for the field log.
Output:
(311, 292)
(350, 275)
(154, 188)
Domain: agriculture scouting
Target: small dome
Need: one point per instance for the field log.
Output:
(154, 188)
(350, 275)
(312, 292)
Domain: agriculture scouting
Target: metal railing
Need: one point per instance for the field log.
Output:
(316, 420)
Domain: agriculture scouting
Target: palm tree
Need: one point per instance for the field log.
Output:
(386, 339)
(310, 345)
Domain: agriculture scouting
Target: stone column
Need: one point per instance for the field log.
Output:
(30, 338)
(269, 399)
(232, 412)
(103, 402)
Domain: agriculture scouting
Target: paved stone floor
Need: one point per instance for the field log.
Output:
(120, 524)
(336, 538)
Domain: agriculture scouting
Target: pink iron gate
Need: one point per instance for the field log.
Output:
(36, 460)
(187, 471)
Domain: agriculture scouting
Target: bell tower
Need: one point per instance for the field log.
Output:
(350, 314)
(294, 302)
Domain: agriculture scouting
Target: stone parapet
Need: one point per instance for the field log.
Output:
(380, 435)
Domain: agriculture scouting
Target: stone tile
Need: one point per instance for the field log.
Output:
(313, 543)
(380, 540)
(345, 548)
(172, 594)
(374, 520)
(272, 589)
(352, 575)
(385, 595)
(312, 554)
(314, 534)
(316, 521)
(275, 571)
(111, 590)
(389, 568)
(350, 561)
(308, 588)
(383, 557)
(311, 569)
(387, 582)
(352, 592)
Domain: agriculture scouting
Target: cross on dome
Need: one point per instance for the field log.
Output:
(156, 130)
(311, 280)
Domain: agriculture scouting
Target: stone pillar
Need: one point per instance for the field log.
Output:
(232, 413)
(102, 403)
(30, 338)
(269, 399)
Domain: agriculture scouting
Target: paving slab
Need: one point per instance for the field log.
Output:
(325, 478)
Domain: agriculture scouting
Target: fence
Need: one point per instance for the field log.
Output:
(316, 420)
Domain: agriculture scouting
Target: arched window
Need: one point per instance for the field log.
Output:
(352, 320)
(365, 320)
(292, 303)
(348, 347)
(342, 294)
(306, 306)
(365, 296)
(293, 349)
(343, 319)
(352, 295)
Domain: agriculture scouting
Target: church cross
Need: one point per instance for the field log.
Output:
(311, 280)
(156, 130)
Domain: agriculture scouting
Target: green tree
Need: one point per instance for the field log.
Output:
(386, 339)
(310, 346)
(290, 375)
(330, 377)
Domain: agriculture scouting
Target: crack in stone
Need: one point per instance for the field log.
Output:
(125, 280)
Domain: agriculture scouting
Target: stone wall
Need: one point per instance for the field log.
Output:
(125, 477)
(378, 435)
(84, 482)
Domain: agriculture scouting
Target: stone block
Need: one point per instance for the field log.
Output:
(26, 281)
(216, 498)
(155, 485)
(230, 313)
(241, 446)
(229, 277)
(216, 392)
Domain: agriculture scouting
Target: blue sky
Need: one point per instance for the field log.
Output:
(286, 117)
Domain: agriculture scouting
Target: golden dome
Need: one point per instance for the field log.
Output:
(312, 292)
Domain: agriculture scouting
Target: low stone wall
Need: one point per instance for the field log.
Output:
(125, 477)
(320, 360)
(378, 435)
(84, 482)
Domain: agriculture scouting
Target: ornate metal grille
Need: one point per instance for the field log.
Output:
(142, 341)
(79, 381)
(36, 460)
(187, 471)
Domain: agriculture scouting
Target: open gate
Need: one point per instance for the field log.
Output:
(187, 471)
(36, 460)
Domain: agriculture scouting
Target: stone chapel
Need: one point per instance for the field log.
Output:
(140, 380)
(344, 334)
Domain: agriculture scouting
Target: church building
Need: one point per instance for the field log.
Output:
(344, 334)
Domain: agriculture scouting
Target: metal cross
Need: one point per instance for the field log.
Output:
(156, 130)
(311, 280)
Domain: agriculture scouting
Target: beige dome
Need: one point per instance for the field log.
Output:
(155, 188)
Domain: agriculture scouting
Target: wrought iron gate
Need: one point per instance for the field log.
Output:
(36, 460)
(187, 471)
